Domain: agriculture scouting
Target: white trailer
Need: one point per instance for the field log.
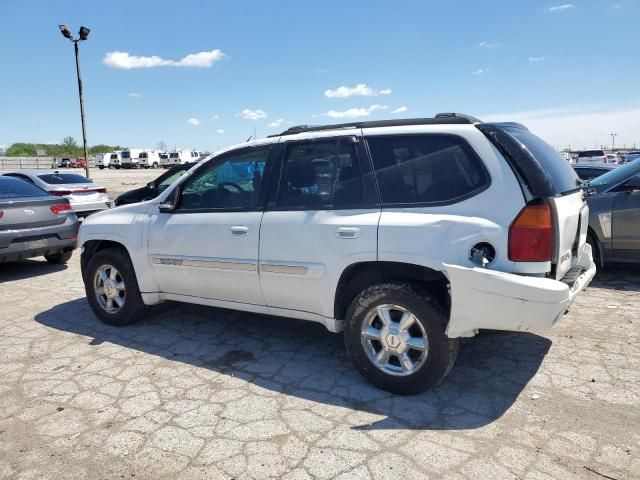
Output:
(114, 159)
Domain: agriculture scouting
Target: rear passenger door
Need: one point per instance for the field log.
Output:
(322, 215)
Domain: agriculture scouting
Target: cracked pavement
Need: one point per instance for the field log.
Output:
(201, 393)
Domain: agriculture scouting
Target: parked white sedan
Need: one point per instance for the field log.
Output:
(85, 196)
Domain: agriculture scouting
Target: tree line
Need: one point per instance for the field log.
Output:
(68, 148)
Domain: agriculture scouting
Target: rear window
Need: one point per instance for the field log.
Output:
(126, 154)
(591, 153)
(173, 155)
(16, 188)
(114, 156)
(561, 176)
(143, 155)
(62, 178)
(426, 169)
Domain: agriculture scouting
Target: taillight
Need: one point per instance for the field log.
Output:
(60, 193)
(531, 235)
(1, 213)
(65, 207)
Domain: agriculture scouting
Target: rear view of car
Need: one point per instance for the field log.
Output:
(85, 196)
(591, 156)
(34, 223)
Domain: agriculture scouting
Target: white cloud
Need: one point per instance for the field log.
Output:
(220, 131)
(582, 126)
(276, 123)
(125, 61)
(401, 109)
(248, 114)
(194, 121)
(360, 89)
(354, 112)
(135, 95)
(536, 59)
(489, 45)
(562, 8)
(215, 117)
(480, 71)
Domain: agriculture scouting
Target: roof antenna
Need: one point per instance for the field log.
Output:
(248, 139)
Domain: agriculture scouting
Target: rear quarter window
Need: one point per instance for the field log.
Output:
(11, 188)
(560, 174)
(426, 169)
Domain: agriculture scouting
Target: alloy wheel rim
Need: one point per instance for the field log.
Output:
(394, 339)
(109, 288)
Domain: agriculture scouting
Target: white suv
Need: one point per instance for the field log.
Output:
(406, 234)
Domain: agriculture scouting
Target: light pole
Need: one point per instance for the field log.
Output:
(83, 34)
(613, 141)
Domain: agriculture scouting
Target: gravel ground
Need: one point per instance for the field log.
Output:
(203, 393)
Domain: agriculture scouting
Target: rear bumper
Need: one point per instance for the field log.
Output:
(38, 242)
(486, 299)
(84, 209)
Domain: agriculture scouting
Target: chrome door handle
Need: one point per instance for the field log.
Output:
(348, 232)
(239, 230)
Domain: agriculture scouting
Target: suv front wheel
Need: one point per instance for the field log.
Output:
(395, 337)
(112, 288)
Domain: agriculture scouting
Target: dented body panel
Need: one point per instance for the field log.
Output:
(488, 299)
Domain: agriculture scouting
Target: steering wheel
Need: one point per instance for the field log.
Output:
(231, 184)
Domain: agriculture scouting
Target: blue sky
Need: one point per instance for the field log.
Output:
(206, 73)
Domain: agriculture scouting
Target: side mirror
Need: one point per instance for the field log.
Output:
(151, 185)
(171, 202)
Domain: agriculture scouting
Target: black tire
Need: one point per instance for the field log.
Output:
(133, 308)
(442, 351)
(595, 250)
(58, 258)
(101, 167)
(155, 165)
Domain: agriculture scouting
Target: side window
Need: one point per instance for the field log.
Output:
(427, 168)
(233, 182)
(321, 175)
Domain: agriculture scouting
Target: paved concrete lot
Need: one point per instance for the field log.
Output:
(194, 392)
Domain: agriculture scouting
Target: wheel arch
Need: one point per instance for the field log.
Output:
(358, 276)
(591, 233)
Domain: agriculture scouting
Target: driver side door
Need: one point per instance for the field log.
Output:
(208, 246)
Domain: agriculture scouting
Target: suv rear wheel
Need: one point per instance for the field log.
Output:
(395, 337)
(112, 288)
(58, 258)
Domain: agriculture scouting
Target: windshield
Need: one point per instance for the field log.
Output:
(62, 178)
(591, 153)
(617, 175)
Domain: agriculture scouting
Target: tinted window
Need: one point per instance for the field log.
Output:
(428, 168)
(562, 177)
(230, 183)
(321, 175)
(591, 153)
(143, 155)
(590, 173)
(62, 178)
(114, 156)
(126, 154)
(16, 188)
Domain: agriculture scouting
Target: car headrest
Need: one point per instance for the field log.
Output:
(301, 175)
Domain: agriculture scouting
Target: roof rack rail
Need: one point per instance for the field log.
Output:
(439, 119)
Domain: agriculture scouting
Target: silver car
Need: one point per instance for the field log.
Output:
(34, 223)
(85, 196)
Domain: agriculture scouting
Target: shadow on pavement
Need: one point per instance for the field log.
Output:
(625, 277)
(303, 360)
(27, 269)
